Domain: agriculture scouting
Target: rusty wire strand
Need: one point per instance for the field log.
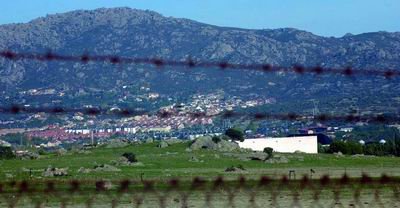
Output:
(190, 63)
(273, 191)
(127, 112)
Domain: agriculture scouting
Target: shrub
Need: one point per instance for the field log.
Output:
(323, 149)
(240, 166)
(130, 156)
(354, 148)
(42, 152)
(230, 169)
(216, 139)
(235, 134)
(338, 146)
(233, 168)
(269, 151)
(6, 153)
(346, 147)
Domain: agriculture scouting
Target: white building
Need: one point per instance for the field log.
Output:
(131, 130)
(306, 144)
(77, 131)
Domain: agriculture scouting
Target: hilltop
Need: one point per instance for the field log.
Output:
(138, 33)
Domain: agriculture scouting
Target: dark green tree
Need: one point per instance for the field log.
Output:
(235, 134)
(269, 151)
(354, 148)
(323, 149)
(338, 146)
(6, 153)
(130, 156)
(216, 139)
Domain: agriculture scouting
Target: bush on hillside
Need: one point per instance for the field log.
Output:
(130, 156)
(346, 147)
(322, 148)
(269, 151)
(42, 151)
(391, 147)
(235, 134)
(6, 153)
(355, 148)
(216, 139)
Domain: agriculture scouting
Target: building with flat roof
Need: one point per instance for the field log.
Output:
(306, 144)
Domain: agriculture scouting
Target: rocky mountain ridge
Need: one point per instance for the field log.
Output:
(138, 33)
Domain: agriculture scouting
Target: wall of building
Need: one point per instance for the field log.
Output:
(307, 144)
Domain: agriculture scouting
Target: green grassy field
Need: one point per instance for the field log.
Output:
(174, 162)
(162, 164)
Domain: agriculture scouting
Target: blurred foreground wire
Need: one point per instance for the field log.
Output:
(265, 192)
(348, 118)
(190, 63)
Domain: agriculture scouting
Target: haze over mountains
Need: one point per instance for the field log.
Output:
(138, 33)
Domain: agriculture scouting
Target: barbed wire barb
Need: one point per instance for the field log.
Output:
(190, 63)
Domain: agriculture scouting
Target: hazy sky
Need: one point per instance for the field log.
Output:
(322, 17)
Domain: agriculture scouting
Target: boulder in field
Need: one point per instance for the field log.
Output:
(207, 143)
(259, 156)
(276, 159)
(172, 141)
(55, 172)
(116, 143)
(247, 156)
(28, 155)
(105, 168)
(61, 152)
(194, 159)
(163, 144)
(238, 168)
(123, 161)
(149, 140)
(84, 170)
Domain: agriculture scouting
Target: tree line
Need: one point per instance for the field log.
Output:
(390, 148)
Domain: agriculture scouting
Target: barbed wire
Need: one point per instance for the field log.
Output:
(16, 109)
(127, 112)
(287, 192)
(190, 63)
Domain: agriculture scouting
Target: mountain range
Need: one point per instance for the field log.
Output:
(139, 33)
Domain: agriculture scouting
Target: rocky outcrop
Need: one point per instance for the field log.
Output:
(55, 172)
(207, 143)
(28, 155)
(137, 33)
(247, 156)
(172, 141)
(99, 168)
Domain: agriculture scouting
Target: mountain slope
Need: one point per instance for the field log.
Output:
(131, 32)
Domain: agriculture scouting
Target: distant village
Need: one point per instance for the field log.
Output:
(180, 123)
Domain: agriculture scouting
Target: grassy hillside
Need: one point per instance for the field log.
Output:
(175, 161)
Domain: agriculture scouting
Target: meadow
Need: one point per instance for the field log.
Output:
(161, 165)
(176, 161)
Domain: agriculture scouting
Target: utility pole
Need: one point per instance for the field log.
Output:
(315, 109)
(394, 144)
(92, 137)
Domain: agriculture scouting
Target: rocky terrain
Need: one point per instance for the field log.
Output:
(137, 33)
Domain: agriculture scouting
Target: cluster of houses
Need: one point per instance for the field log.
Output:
(215, 103)
(156, 123)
